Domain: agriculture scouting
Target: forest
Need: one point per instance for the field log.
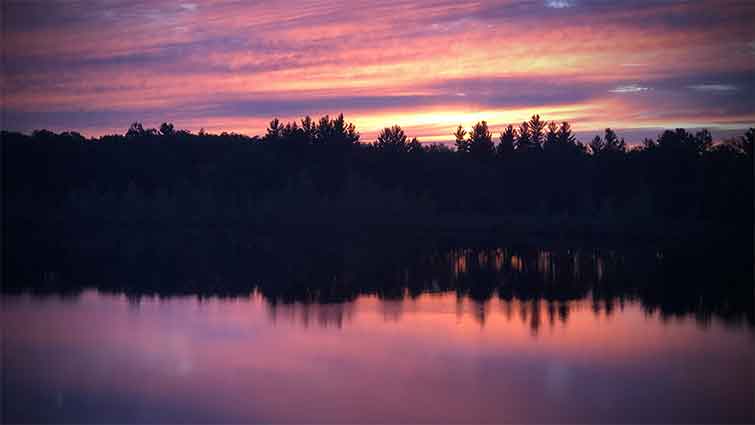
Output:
(319, 171)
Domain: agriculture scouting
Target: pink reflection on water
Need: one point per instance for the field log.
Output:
(436, 357)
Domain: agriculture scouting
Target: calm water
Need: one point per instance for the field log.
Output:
(419, 355)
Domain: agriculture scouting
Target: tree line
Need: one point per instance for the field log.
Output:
(319, 170)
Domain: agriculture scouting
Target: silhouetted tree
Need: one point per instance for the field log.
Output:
(551, 137)
(414, 146)
(166, 129)
(391, 139)
(137, 131)
(565, 135)
(336, 132)
(73, 136)
(703, 141)
(537, 127)
(462, 144)
(481, 141)
(309, 128)
(597, 145)
(506, 145)
(612, 142)
(677, 141)
(747, 141)
(274, 131)
(523, 140)
(294, 137)
(648, 144)
(744, 143)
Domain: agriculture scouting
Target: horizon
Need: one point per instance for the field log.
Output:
(636, 136)
(427, 66)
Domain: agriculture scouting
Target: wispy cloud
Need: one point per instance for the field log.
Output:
(559, 4)
(191, 7)
(631, 88)
(713, 87)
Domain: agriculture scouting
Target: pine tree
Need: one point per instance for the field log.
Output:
(481, 140)
(523, 140)
(565, 135)
(597, 145)
(506, 145)
(537, 126)
(462, 144)
(551, 138)
(391, 139)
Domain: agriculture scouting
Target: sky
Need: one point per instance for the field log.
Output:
(427, 65)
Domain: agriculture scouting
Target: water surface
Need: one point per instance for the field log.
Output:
(560, 353)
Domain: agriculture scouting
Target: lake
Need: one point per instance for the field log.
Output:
(458, 335)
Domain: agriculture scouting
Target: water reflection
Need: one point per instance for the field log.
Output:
(534, 313)
(308, 314)
(533, 283)
(542, 281)
(434, 357)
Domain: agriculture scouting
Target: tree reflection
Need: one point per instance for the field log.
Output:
(539, 286)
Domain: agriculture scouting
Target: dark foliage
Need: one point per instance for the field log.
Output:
(318, 171)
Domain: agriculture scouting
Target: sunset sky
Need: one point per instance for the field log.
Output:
(427, 65)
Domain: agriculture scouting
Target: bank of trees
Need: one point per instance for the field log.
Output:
(323, 168)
